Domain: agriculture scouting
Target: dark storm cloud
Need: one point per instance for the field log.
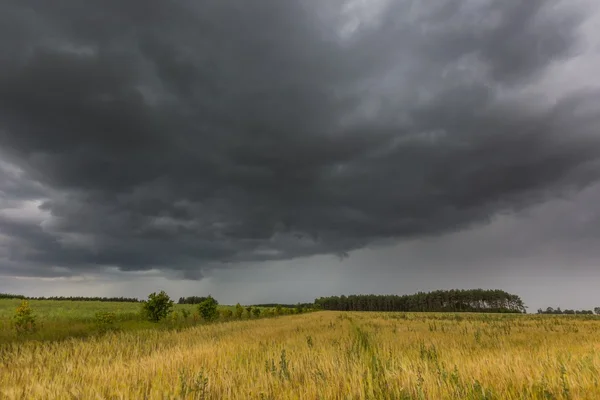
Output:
(179, 135)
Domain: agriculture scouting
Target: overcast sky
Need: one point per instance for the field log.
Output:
(276, 151)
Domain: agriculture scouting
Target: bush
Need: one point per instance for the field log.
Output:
(208, 309)
(249, 311)
(105, 321)
(158, 306)
(227, 314)
(239, 310)
(24, 319)
(185, 313)
(256, 312)
(174, 317)
(268, 312)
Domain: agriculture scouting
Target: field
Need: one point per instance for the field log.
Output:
(59, 320)
(66, 319)
(322, 355)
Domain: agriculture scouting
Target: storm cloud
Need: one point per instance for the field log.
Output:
(189, 136)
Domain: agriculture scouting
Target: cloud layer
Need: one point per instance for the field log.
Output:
(192, 135)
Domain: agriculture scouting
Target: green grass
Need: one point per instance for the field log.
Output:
(59, 320)
(80, 310)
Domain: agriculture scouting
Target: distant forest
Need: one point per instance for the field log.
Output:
(192, 300)
(71, 298)
(475, 300)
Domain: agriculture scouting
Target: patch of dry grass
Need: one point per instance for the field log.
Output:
(324, 355)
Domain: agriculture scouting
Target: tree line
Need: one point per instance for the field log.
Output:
(192, 299)
(71, 298)
(274, 305)
(558, 311)
(474, 300)
(201, 299)
(12, 296)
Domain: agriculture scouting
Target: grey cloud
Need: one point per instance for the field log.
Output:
(193, 135)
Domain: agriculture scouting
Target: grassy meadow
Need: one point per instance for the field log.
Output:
(322, 355)
(64, 319)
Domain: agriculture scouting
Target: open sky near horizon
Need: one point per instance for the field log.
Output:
(277, 151)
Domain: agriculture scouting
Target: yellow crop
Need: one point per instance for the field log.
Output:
(323, 355)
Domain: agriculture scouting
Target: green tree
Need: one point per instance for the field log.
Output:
(158, 306)
(249, 311)
(208, 309)
(256, 312)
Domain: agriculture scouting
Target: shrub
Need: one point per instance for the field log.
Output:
(268, 312)
(256, 312)
(196, 317)
(158, 306)
(174, 316)
(208, 309)
(105, 321)
(239, 310)
(227, 314)
(24, 319)
(249, 311)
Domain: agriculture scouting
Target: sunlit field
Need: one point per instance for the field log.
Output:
(322, 355)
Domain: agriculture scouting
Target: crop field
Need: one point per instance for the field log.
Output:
(321, 355)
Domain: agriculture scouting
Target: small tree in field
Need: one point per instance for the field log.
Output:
(256, 312)
(597, 310)
(24, 319)
(158, 306)
(249, 311)
(208, 309)
(239, 310)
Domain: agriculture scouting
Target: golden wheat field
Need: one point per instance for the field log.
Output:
(322, 355)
